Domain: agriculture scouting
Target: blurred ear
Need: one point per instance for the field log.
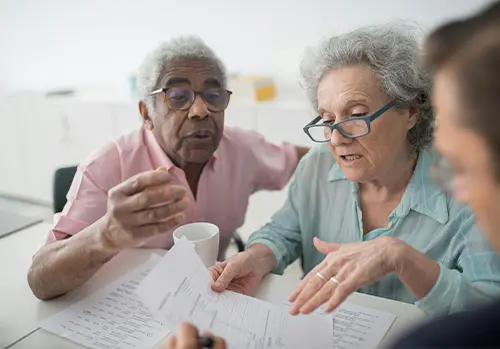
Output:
(413, 115)
(143, 109)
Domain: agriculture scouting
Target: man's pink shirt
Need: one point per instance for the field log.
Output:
(243, 164)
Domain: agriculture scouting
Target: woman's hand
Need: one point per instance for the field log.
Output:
(187, 337)
(346, 268)
(142, 207)
(243, 272)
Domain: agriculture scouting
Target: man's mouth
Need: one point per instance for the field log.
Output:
(200, 136)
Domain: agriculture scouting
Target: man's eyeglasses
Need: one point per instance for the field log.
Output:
(353, 127)
(182, 98)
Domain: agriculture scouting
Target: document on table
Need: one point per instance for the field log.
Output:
(358, 327)
(179, 289)
(113, 317)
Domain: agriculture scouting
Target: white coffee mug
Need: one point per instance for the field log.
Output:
(205, 238)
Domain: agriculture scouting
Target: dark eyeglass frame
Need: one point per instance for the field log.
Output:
(368, 119)
(195, 93)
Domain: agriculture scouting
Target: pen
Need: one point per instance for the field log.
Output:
(205, 342)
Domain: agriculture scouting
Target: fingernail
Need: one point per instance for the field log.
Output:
(162, 175)
(162, 168)
(179, 191)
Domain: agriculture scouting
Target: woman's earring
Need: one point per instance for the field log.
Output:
(148, 124)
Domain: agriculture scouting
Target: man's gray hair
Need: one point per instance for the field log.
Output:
(183, 47)
(393, 53)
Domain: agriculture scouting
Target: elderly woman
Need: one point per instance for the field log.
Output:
(119, 199)
(362, 209)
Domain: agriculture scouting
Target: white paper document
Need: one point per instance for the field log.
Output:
(113, 317)
(359, 327)
(179, 288)
(355, 326)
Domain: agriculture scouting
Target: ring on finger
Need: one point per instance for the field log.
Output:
(321, 276)
(335, 280)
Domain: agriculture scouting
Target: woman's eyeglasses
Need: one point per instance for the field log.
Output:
(353, 127)
(182, 98)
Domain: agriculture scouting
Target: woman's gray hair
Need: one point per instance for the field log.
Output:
(393, 53)
(183, 47)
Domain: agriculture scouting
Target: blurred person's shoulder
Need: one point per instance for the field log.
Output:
(468, 329)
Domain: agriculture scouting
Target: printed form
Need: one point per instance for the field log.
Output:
(179, 289)
(113, 317)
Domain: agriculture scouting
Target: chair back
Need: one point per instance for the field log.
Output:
(63, 177)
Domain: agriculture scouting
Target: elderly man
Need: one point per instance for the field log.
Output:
(182, 166)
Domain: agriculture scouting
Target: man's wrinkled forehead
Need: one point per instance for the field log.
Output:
(190, 73)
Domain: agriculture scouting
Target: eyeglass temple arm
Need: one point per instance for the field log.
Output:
(315, 120)
(157, 91)
(383, 110)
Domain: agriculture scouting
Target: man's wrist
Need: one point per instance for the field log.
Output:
(103, 242)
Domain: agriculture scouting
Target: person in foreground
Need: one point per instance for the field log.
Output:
(363, 210)
(207, 171)
(465, 56)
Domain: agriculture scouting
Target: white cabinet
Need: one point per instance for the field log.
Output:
(12, 175)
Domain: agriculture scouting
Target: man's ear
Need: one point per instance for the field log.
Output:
(143, 109)
(414, 114)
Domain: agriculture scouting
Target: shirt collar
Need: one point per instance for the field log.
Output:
(160, 159)
(422, 195)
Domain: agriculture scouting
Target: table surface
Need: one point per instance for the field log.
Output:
(11, 223)
(21, 312)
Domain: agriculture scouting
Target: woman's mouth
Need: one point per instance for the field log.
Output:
(350, 160)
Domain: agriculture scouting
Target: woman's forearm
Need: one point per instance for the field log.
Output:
(417, 272)
(66, 264)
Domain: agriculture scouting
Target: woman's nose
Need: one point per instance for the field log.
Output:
(338, 139)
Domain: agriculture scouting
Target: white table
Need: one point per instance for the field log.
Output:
(21, 311)
(11, 223)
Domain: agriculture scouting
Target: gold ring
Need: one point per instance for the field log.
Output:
(321, 276)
